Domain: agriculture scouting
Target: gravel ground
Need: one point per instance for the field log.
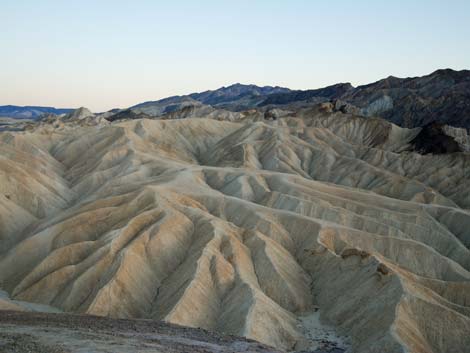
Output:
(66, 333)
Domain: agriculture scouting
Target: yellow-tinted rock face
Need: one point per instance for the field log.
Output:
(242, 228)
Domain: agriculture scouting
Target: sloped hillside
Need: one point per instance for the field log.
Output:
(247, 228)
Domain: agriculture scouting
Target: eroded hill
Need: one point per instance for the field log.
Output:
(246, 227)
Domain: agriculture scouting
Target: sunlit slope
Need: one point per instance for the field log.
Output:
(242, 228)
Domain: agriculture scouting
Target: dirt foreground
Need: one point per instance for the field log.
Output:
(66, 333)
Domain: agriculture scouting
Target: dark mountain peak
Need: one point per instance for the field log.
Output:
(449, 71)
(242, 87)
(167, 100)
(239, 85)
(450, 74)
(439, 77)
(388, 82)
(235, 92)
(341, 88)
(320, 94)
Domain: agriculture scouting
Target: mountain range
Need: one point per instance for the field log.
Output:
(442, 96)
(29, 112)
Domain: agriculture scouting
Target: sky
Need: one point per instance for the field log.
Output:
(106, 54)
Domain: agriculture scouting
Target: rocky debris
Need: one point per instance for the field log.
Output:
(66, 333)
(26, 343)
(321, 338)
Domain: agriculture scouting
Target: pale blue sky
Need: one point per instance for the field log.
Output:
(106, 54)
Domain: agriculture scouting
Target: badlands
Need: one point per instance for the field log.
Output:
(313, 230)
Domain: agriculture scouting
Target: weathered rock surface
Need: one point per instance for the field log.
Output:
(243, 227)
(442, 96)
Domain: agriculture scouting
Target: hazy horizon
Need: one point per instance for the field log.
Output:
(115, 54)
